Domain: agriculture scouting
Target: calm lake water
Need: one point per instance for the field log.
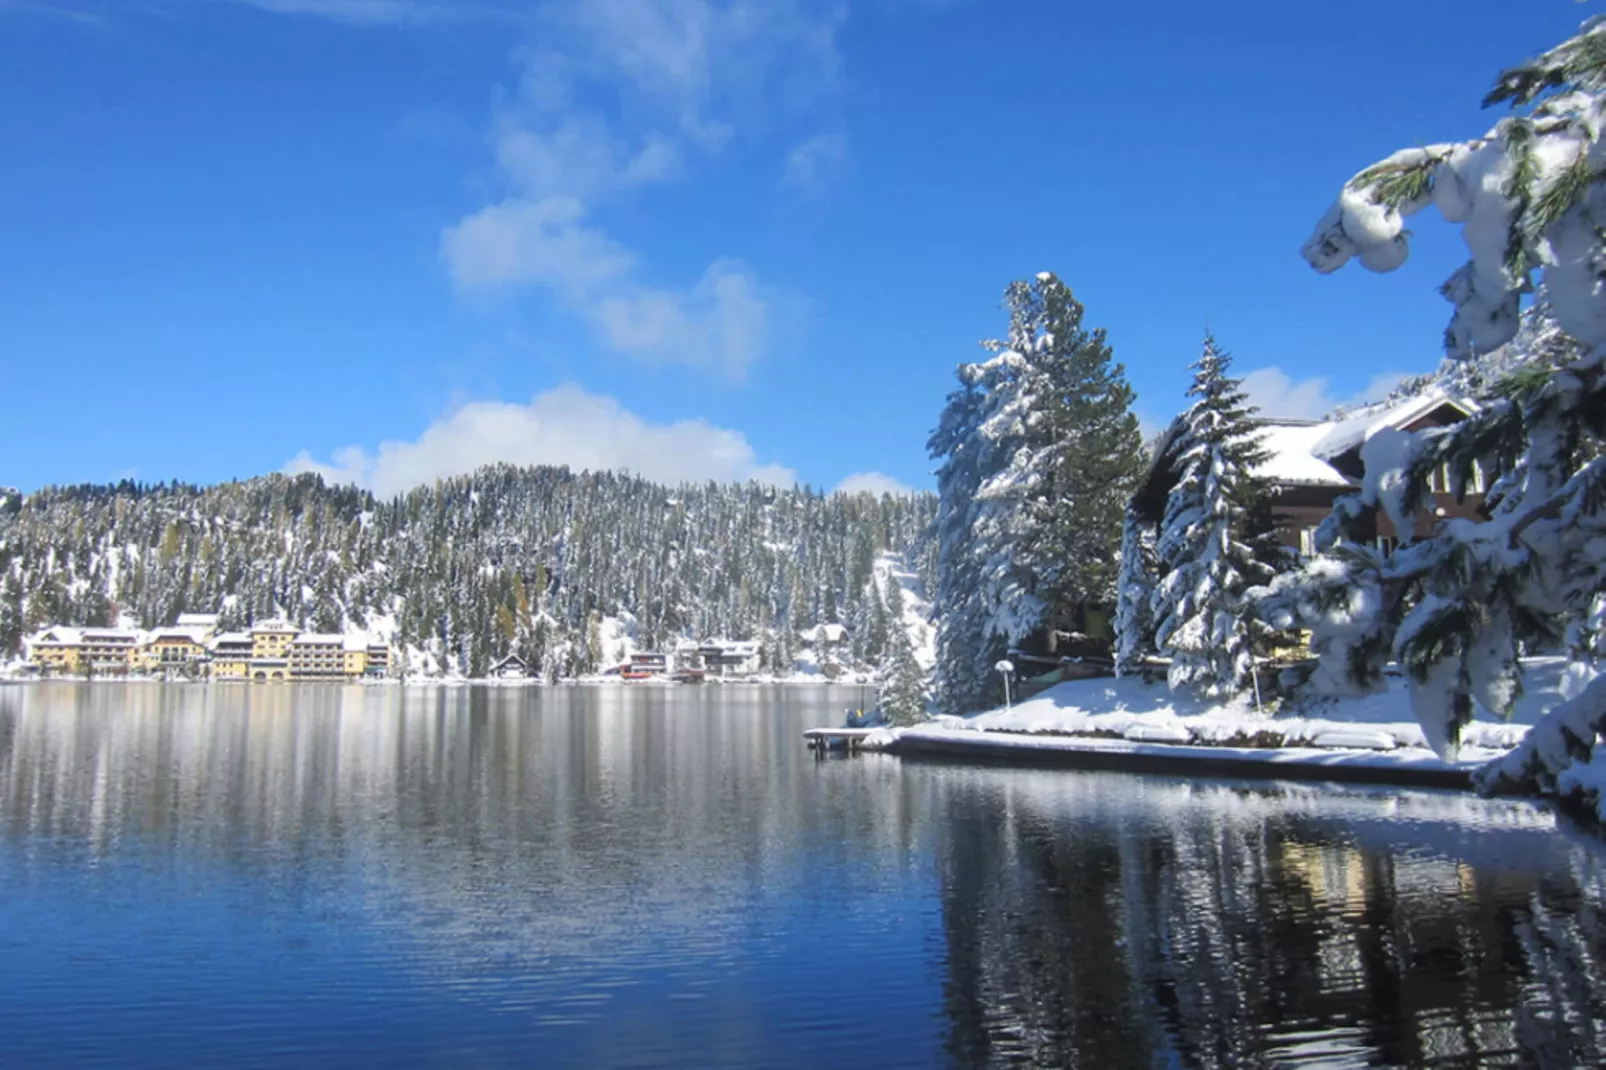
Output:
(307, 876)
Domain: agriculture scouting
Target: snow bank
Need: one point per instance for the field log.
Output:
(1132, 709)
(1126, 720)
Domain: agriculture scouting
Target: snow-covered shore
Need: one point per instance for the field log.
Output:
(1128, 723)
(861, 680)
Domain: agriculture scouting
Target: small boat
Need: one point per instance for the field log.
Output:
(632, 674)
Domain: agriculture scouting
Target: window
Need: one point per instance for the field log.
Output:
(1307, 542)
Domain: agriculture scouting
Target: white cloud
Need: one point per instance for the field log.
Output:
(579, 157)
(720, 324)
(876, 483)
(565, 426)
(815, 164)
(1277, 394)
(51, 9)
(711, 66)
(358, 12)
(542, 242)
(682, 77)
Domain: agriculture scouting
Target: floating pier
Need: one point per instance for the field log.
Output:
(821, 740)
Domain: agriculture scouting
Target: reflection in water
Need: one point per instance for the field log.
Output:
(653, 876)
(1213, 926)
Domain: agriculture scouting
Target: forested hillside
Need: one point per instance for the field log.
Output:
(525, 559)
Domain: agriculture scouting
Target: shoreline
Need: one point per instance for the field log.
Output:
(441, 681)
(1413, 768)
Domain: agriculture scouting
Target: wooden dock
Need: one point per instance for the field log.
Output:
(821, 740)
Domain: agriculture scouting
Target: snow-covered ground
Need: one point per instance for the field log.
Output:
(1130, 716)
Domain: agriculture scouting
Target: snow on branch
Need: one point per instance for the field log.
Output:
(1527, 196)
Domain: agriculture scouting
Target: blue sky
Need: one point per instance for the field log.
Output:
(391, 239)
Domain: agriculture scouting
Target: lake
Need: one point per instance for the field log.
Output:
(319, 876)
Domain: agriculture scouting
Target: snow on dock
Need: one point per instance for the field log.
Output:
(1411, 767)
(1132, 726)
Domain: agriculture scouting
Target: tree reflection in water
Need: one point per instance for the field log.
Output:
(620, 876)
(1213, 926)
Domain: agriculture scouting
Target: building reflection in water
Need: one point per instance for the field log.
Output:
(1213, 926)
(551, 850)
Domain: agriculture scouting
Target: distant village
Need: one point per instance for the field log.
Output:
(193, 648)
(275, 651)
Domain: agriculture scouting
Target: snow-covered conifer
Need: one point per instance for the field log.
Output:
(1526, 195)
(1206, 566)
(1457, 609)
(1134, 596)
(1040, 451)
(903, 683)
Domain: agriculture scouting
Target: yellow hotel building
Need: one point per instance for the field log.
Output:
(272, 650)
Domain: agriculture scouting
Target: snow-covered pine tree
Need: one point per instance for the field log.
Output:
(1093, 460)
(967, 647)
(1206, 564)
(1456, 608)
(1060, 422)
(1039, 452)
(903, 684)
(1134, 596)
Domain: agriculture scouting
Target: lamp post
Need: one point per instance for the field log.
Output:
(1004, 668)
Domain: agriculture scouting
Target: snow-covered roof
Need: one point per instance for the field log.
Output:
(1355, 428)
(1300, 451)
(740, 648)
(1291, 456)
(58, 634)
(357, 641)
(190, 634)
(732, 646)
(231, 637)
(319, 639)
(197, 620)
(111, 635)
(824, 633)
(280, 626)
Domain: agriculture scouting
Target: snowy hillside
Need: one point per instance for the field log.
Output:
(570, 571)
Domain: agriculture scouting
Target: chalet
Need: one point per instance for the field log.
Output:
(511, 667)
(825, 638)
(646, 663)
(1311, 464)
(724, 658)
